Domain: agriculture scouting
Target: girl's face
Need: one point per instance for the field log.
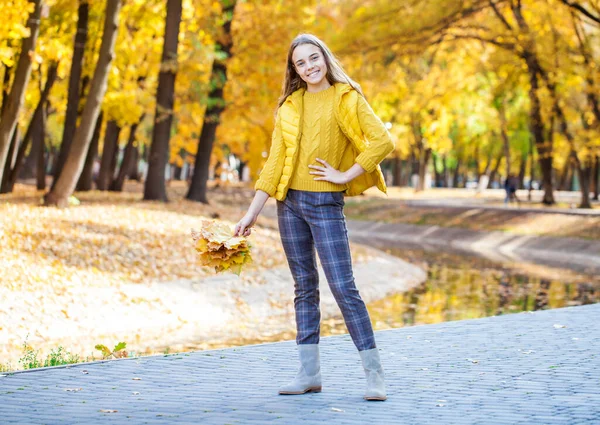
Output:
(311, 67)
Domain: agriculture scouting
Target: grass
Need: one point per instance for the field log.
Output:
(31, 359)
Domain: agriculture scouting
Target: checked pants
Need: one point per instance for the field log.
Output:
(310, 221)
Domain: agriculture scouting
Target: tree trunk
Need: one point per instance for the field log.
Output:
(109, 152)
(83, 134)
(437, 174)
(505, 140)
(155, 188)
(445, 171)
(197, 190)
(10, 114)
(35, 131)
(477, 162)
(133, 173)
(583, 173)
(423, 163)
(456, 174)
(566, 176)
(5, 87)
(10, 161)
(87, 175)
(74, 88)
(128, 158)
(522, 169)
(29, 168)
(537, 129)
(495, 169)
(531, 169)
(397, 177)
(536, 122)
(582, 170)
(39, 141)
(595, 178)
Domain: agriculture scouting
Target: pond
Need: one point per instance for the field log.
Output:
(462, 287)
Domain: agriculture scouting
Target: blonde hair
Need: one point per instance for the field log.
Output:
(335, 71)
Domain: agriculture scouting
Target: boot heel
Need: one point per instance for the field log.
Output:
(314, 390)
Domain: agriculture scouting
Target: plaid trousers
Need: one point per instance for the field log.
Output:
(309, 220)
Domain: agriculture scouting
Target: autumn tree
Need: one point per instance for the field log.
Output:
(35, 134)
(14, 101)
(67, 181)
(154, 188)
(216, 105)
(73, 97)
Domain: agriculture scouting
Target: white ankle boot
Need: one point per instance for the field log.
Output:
(308, 378)
(374, 372)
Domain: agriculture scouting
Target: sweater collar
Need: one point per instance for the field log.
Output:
(296, 98)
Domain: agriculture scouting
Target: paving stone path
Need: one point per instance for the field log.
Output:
(526, 368)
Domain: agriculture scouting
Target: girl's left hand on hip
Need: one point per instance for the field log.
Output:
(327, 173)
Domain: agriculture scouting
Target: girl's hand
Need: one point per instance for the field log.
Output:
(327, 173)
(244, 226)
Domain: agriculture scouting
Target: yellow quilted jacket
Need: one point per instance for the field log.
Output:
(369, 143)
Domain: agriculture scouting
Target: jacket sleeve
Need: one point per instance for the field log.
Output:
(378, 139)
(271, 172)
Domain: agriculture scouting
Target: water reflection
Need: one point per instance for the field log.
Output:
(460, 287)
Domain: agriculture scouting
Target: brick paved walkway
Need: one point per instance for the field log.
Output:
(540, 368)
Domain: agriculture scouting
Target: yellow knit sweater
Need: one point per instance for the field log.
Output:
(366, 142)
(321, 138)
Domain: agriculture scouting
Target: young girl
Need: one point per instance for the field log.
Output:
(327, 143)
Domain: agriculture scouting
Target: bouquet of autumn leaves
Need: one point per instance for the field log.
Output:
(219, 249)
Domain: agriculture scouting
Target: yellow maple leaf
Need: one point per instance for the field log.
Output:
(219, 249)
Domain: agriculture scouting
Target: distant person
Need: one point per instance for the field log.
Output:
(510, 186)
(309, 178)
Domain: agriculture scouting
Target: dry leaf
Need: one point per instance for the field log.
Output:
(108, 411)
(73, 390)
(219, 249)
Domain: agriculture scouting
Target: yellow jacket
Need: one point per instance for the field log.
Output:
(369, 144)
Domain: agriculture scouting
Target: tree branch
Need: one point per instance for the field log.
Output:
(500, 15)
(507, 46)
(582, 10)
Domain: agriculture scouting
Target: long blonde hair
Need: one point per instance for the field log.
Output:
(335, 71)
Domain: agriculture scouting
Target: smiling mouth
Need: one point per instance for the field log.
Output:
(313, 73)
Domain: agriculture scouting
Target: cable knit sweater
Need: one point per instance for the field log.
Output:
(366, 142)
(321, 138)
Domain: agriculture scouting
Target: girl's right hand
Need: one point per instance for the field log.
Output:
(244, 226)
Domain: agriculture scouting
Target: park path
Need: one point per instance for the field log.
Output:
(526, 368)
(489, 199)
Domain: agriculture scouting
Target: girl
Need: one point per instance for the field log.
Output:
(327, 143)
